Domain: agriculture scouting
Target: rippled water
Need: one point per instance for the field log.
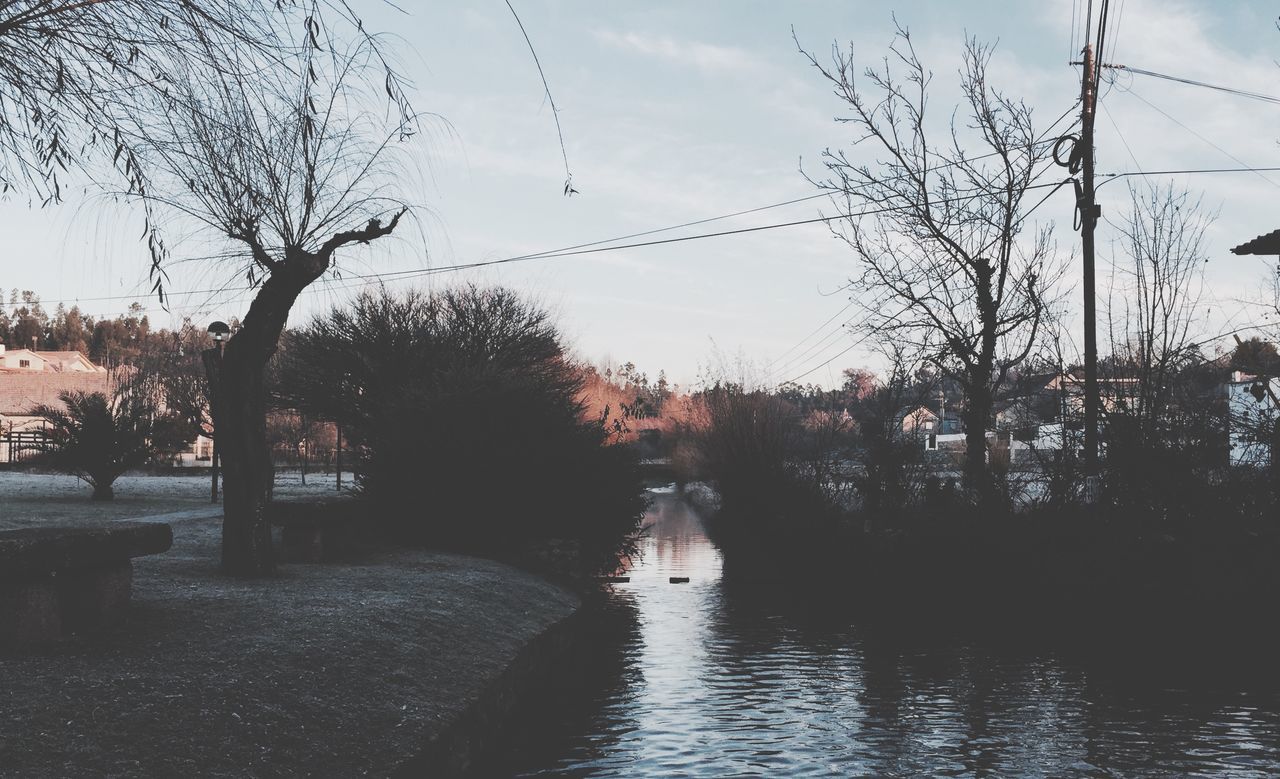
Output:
(703, 680)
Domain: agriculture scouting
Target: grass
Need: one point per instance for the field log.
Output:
(341, 669)
(42, 499)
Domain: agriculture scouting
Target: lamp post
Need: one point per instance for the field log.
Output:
(219, 331)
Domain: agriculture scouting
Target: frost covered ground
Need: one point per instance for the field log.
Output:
(34, 499)
(340, 669)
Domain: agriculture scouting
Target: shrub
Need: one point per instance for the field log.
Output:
(776, 475)
(98, 439)
(463, 410)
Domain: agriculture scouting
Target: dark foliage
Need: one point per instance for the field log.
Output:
(98, 438)
(776, 470)
(464, 413)
(1257, 357)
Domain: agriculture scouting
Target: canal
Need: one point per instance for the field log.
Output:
(707, 679)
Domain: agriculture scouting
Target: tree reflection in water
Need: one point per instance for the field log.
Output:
(717, 679)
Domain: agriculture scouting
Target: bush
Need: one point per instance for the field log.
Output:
(463, 410)
(776, 475)
(98, 439)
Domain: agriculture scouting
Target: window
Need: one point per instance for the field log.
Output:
(24, 363)
(932, 443)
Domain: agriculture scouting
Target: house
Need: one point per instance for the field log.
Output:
(46, 362)
(31, 378)
(1252, 416)
(931, 424)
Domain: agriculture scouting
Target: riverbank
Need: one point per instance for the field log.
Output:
(342, 669)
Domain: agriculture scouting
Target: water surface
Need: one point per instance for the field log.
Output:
(705, 679)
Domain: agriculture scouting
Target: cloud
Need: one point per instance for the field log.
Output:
(703, 56)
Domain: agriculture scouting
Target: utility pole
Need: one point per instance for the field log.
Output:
(1089, 213)
(339, 457)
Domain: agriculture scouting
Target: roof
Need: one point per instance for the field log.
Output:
(59, 361)
(65, 358)
(1263, 244)
(917, 413)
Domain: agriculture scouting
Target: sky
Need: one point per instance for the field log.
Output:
(674, 112)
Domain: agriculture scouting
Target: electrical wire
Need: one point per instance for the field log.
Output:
(556, 254)
(834, 357)
(1115, 29)
(1075, 11)
(1120, 135)
(816, 330)
(562, 250)
(1102, 40)
(1021, 219)
(369, 278)
(1192, 82)
(1228, 154)
(785, 365)
(815, 348)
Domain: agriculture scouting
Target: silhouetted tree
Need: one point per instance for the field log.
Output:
(1156, 288)
(947, 267)
(285, 171)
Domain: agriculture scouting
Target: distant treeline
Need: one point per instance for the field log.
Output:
(125, 339)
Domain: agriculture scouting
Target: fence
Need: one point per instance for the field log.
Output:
(21, 446)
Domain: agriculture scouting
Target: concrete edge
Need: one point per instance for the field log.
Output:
(482, 726)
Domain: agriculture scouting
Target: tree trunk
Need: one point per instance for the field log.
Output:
(103, 491)
(1275, 450)
(977, 412)
(979, 398)
(239, 417)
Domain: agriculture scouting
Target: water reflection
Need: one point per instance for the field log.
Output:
(703, 679)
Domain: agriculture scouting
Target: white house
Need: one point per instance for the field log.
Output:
(30, 378)
(46, 362)
(1252, 414)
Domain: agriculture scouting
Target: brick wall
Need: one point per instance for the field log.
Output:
(21, 390)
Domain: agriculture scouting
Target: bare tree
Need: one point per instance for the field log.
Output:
(946, 268)
(1156, 286)
(282, 171)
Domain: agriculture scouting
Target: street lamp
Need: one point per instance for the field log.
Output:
(219, 331)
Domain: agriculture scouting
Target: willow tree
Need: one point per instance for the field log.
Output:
(281, 172)
(73, 73)
(947, 267)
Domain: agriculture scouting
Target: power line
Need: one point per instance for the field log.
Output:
(567, 250)
(596, 250)
(816, 347)
(816, 330)
(1120, 135)
(1201, 137)
(1021, 219)
(1040, 141)
(1189, 171)
(1192, 82)
(552, 254)
(834, 357)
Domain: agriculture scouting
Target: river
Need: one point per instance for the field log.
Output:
(703, 679)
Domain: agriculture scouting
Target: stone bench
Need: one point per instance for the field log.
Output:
(57, 581)
(316, 531)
